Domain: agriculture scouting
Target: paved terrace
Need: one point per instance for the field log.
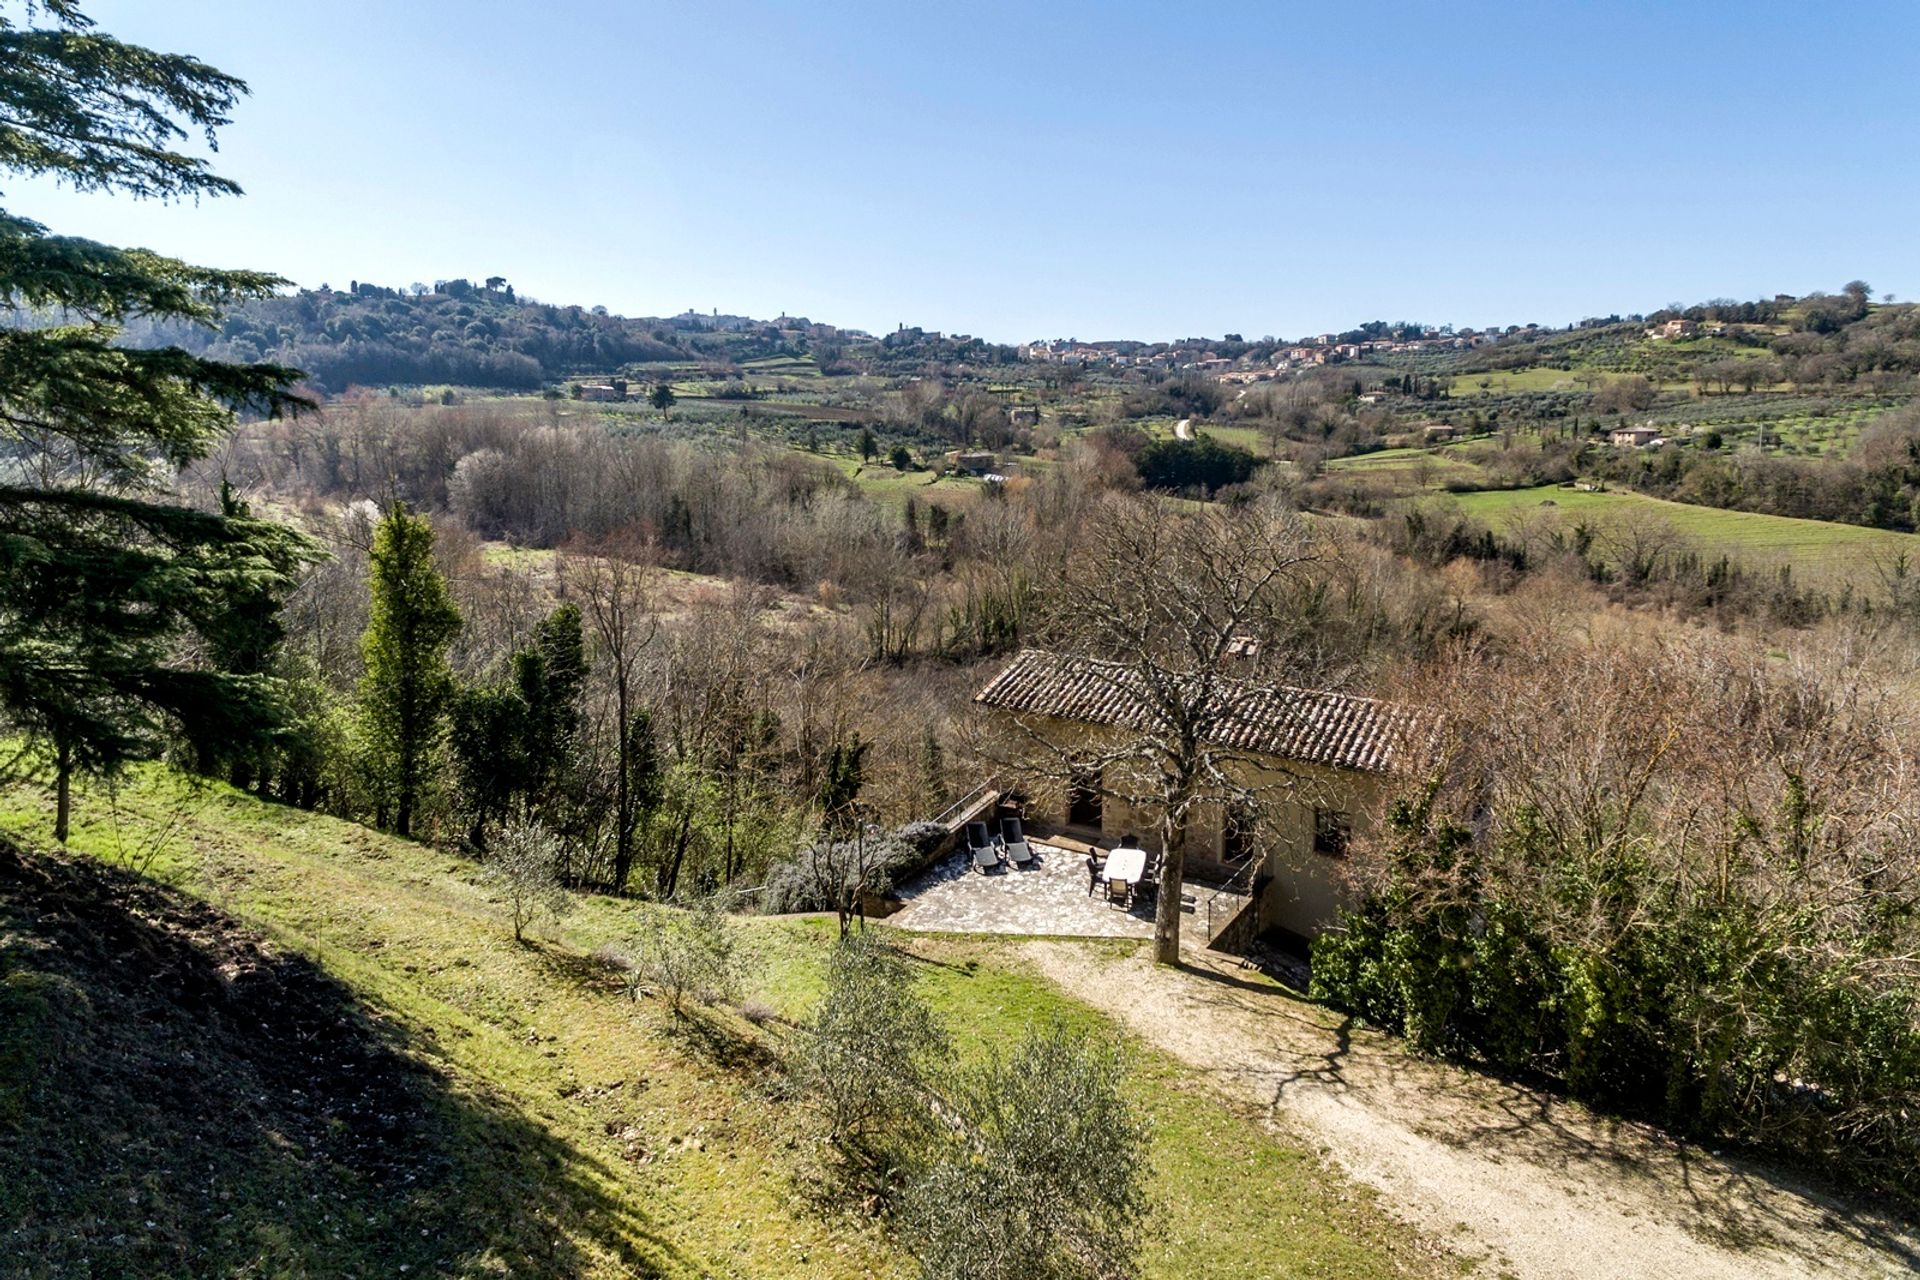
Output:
(1047, 899)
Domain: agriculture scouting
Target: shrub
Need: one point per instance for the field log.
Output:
(868, 1059)
(1043, 1172)
(524, 868)
(811, 880)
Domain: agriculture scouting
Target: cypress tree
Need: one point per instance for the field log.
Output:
(519, 739)
(407, 686)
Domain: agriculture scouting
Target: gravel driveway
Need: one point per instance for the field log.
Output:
(1524, 1183)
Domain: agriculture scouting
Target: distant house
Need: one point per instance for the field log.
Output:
(1674, 329)
(602, 391)
(973, 462)
(1634, 437)
(1437, 431)
(1023, 416)
(1319, 759)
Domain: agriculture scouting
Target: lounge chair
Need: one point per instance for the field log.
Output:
(1015, 842)
(982, 847)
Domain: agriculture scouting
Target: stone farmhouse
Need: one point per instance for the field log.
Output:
(1634, 437)
(1316, 762)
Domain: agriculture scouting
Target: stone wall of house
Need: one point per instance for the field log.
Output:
(1307, 889)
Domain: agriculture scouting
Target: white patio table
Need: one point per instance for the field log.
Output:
(1126, 864)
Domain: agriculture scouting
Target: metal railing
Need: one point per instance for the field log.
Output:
(967, 801)
(1233, 886)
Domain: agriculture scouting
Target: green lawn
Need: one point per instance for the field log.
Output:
(1819, 551)
(879, 481)
(1441, 462)
(1501, 381)
(542, 1124)
(1252, 439)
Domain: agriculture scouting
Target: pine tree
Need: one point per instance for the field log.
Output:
(519, 739)
(118, 604)
(408, 685)
(841, 780)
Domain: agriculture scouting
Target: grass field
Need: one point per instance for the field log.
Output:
(1537, 378)
(1252, 439)
(1820, 552)
(489, 1109)
(892, 488)
(1440, 463)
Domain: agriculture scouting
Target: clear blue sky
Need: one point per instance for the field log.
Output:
(1037, 170)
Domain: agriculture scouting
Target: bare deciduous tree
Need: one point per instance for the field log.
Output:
(1173, 612)
(611, 588)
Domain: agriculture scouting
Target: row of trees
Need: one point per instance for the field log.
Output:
(631, 742)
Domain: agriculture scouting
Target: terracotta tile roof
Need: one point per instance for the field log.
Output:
(1309, 725)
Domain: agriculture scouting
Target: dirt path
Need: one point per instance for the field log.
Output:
(1529, 1185)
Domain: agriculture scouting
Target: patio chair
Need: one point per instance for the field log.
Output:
(1093, 873)
(982, 847)
(1119, 891)
(1015, 842)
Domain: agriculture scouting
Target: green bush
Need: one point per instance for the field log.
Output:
(869, 1058)
(1716, 1021)
(1203, 463)
(1042, 1175)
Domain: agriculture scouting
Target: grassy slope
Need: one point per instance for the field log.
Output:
(1437, 464)
(1817, 549)
(500, 1109)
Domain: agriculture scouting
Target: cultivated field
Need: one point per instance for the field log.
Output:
(1820, 553)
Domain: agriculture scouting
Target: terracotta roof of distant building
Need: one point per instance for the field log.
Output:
(1313, 726)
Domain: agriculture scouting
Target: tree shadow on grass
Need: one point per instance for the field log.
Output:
(711, 1036)
(178, 1098)
(596, 973)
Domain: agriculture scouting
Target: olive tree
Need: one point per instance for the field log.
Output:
(1043, 1172)
(524, 868)
(689, 955)
(869, 1058)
